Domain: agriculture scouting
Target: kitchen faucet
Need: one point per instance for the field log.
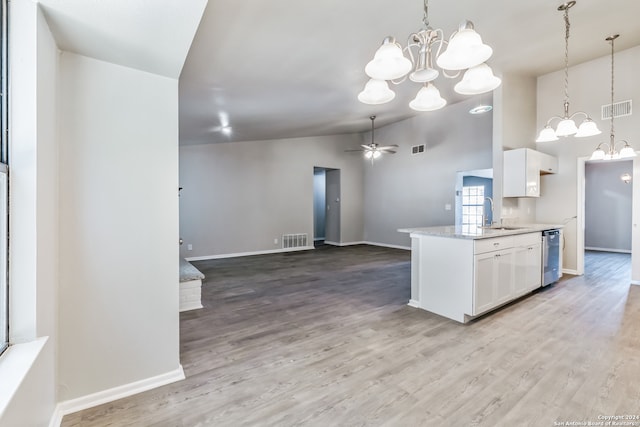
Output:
(485, 218)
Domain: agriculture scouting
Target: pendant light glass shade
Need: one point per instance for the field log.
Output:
(587, 128)
(598, 154)
(627, 152)
(388, 63)
(566, 127)
(424, 75)
(477, 80)
(465, 50)
(547, 134)
(428, 99)
(376, 92)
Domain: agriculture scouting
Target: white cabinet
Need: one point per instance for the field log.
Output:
(504, 269)
(522, 169)
(527, 268)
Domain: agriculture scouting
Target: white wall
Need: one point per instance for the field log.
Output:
(589, 89)
(608, 206)
(118, 299)
(33, 213)
(238, 197)
(405, 190)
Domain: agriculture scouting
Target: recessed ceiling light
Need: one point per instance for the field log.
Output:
(481, 109)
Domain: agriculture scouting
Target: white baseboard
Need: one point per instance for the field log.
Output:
(635, 282)
(190, 306)
(385, 245)
(413, 303)
(619, 251)
(105, 396)
(240, 254)
(572, 272)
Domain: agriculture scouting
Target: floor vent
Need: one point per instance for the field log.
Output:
(620, 109)
(417, 149)
(294, 240)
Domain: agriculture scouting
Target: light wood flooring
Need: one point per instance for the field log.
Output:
(325, 338)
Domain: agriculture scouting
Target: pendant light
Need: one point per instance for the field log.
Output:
(566, 126)
(627, 151)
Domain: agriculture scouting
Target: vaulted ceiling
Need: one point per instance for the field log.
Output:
(291, 68)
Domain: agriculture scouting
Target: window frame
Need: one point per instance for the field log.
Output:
(4, 170)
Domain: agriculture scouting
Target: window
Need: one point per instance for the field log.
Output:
(472, 207)
(4, 183)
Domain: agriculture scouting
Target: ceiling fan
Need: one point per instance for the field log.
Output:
(372, 150)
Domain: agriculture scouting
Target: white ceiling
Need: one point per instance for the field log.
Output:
(291, 68)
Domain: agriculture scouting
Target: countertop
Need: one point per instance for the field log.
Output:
(459, 232)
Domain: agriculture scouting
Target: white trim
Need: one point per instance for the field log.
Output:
(317, 239)
(329, 242)
(572, 272)
(619, 251)
(105, 396)
(413, 303)
(635, 282)
(15, 364)
(385, 245)
(241, 254)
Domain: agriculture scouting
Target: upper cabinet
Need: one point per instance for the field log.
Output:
(522, 169)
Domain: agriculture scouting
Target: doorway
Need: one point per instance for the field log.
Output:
(326, 206)
(612, 204)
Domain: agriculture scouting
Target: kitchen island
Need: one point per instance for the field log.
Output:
(464, 272)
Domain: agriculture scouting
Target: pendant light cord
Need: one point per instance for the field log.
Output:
(611, 112)
(567, 25)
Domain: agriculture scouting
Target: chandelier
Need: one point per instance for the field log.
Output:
(611, 153)
(463, 51)
(566, 125)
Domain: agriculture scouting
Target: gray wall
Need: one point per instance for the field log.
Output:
(405, 190)
(608, 206)
(238, 197)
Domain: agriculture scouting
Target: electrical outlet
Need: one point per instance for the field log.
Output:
(447, 207)
(275, 241)
(189, 247)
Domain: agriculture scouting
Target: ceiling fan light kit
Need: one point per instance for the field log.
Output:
(463, 51)
(566, 125)
(373, 151)
(611, 153)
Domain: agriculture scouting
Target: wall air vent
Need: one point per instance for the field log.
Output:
(294, 240)
(418, 149)
(620, 109)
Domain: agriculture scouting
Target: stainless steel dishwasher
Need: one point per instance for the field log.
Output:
(551, 257)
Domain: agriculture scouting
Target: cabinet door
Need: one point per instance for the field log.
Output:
(503, 264)
(527, 268)
(493, 280)
(483, 286)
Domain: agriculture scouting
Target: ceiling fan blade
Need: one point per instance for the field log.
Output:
(359, 150)
(388, 151)
(386, 147)
(366, 147)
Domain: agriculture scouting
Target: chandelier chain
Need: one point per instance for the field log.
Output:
(567, 25)
(425, 17)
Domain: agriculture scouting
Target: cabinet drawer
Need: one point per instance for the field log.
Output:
(495, 244)
(527, 239)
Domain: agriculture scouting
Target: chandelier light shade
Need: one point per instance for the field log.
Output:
(463, 51)
(376, 92)
(566, 125)
(611, 153)
(428, 99)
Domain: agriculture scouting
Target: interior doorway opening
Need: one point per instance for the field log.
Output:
(326, 206)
